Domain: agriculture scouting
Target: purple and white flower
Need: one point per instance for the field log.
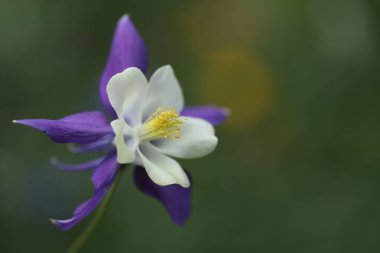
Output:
(150, 126)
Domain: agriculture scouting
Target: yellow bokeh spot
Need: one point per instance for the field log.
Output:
(235, 78)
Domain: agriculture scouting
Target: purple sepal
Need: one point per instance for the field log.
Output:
(103, 143)
(76, 167)
(79, 128)
(127, 50)
(213, 114)
(176, 199)
(91, 117)
(102, 179)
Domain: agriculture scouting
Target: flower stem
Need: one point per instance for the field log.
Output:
(79, 242)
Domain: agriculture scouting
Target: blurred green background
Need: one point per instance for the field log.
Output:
(297, 166)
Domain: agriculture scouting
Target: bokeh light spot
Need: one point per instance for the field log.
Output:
(235, 77)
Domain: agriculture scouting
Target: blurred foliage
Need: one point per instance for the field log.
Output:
(297, 166)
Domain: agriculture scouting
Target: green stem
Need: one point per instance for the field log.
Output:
(79, 242)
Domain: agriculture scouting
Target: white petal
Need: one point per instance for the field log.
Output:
(164, 91)
(126, 92)
(162, 169)
(197, 139)
(125, 151)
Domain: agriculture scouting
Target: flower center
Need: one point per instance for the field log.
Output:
(163, 123)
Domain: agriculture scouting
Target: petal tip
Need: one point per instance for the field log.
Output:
(185, 185)
(26, 122)
(29, 122)
(168, 66)
(125, 17)
(59, 224)
(123, 22)
(20, 121)
(54, 221)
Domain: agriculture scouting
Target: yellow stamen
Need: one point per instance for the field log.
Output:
(163, 123)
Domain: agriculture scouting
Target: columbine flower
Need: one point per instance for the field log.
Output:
(150, 127)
